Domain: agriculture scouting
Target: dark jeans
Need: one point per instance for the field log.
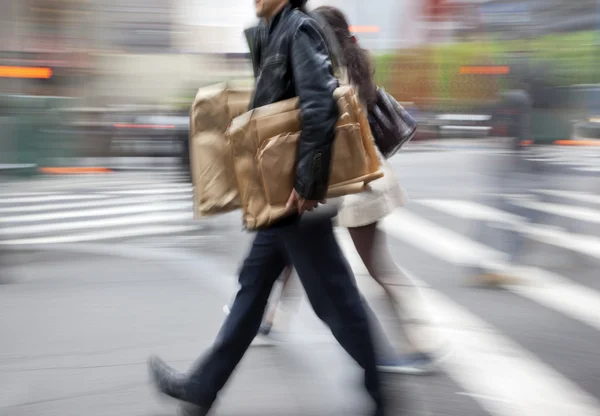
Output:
(329, 285)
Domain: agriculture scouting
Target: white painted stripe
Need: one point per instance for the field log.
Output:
(558, 293)
(474, 128)
(461, 117)
(438, 241)
(565, 162)
(589, 169)
(589, 163)
(451, 246)
(24, 194)
(584, 244)
(122, 184)
(115, 201)
(17, 165)
(548, 289)
(113, 177)
(502, 376)
(100, 212)
(505, 195)
(49, 198)
(578, 196)
(102, 235)
(129, 178)
(153, 191)
(541, 159)
(151, 218)
(506, 379)
(569, 211)
(471, 210)
(108, 190)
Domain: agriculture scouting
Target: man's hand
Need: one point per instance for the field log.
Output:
(296, 202)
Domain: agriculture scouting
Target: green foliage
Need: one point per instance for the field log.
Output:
(572, 58)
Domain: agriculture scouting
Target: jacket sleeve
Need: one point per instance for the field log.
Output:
(314, 83)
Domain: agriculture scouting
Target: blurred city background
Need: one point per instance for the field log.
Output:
(100, 255)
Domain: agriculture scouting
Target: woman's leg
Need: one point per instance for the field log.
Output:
(371, 246)
(273, 305)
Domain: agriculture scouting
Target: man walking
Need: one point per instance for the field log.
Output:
(290, 59)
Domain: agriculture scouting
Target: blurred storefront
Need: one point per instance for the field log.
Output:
(45, 48)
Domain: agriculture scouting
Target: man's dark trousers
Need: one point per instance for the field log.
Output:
(329, 285)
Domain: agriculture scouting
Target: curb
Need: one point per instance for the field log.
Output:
(580, 142)
(73, 170)
(149, 169)
(104, 170)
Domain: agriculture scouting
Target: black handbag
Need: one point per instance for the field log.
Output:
(391, 125)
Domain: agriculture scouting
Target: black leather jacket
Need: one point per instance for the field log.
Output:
(290, 58)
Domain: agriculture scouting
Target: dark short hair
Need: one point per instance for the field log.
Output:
(298, 4)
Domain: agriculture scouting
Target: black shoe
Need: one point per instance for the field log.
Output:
(166, 379)
(189, 409)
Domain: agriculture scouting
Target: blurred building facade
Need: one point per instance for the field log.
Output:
(515, 19)
(144, 49)
(138, 26)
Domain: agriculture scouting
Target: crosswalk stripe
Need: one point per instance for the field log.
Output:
(483, 361)
(578, 196)
(457, 249)
(399, 224)
(154, 191)
(544, 159)
(102, 235)
(117, 181)
(473, 210)
(577, 159)
(584, 244)
(49, 198)
(120, 186)
(95, 207)
(579, 302)
(112, 201)
(491, 365)
(558, 293)
(468, 209)
(588, 169)
(96, 212)
(577, 213)
(438, 241)
(129, 221)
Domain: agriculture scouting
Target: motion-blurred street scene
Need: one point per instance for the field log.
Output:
(102, 262)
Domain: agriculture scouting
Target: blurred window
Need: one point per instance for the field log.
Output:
(137, 26)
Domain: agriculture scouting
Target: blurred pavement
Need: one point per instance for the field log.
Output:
(78, 324)
(80, 315)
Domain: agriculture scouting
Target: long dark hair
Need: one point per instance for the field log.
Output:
(356, 59)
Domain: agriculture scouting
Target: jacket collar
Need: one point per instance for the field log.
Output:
(281, 15)
(254, 38)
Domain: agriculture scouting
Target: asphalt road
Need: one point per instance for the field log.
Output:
(83, 305)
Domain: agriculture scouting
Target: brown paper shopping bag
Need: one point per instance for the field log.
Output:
(213, 176)
(264, 143)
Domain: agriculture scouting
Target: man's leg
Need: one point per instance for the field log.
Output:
(331, 289)
(261, 268)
